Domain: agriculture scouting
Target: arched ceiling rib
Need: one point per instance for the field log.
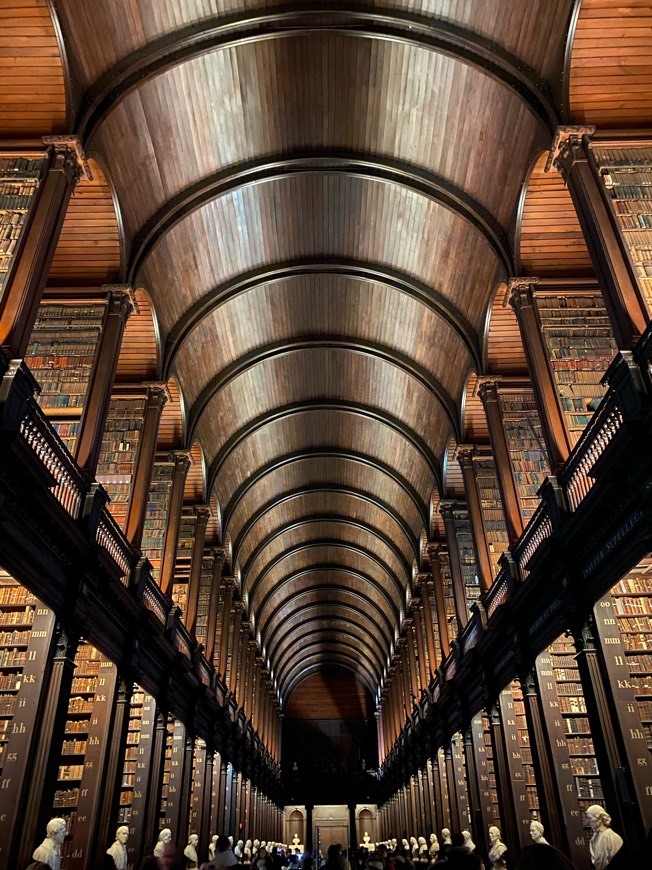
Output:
(307, 666)
(319, 200)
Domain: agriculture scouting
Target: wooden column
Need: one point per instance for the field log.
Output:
(444, 789)
(146, 780)
(224, 626)
(453, 803)
(412, 662)
(434, 552)
(45, 761)
(434, 654)
(555, 781)
(465, 458)
(178, 801)
(419, 633)
(217, 554)
(570, 154)
(447, 509)
(203, 513)
(236, 642)
(156, 398)
(205, 815)
(510, 825)
(488, 392)
(91, 425)
(22, 293)
(220, 825)
(22, 740)
(558, 444)
(181, 459)
(516, 786)
(478, 782)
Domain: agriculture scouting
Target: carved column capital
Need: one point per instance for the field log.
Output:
(157, 393)
(566, 148)
(464, 454)
(218, 554)
(520, 292)
(181, 460)
(120, 298)
(203, 514)
(487, 388)
(69, 156)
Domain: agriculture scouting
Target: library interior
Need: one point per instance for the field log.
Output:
(325, 433)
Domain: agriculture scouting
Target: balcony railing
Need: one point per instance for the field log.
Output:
(111, 537)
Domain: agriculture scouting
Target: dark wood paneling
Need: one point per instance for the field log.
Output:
(329, 695)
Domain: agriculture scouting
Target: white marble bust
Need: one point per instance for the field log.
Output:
(604, 843)
(433, 851)
(446, 836)
(164, 838)
(497, 849)
(118, 851)
(49, 852)
(190, 852)
(536, 832)
(212, 847)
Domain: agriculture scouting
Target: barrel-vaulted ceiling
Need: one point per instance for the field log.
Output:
(319, 199)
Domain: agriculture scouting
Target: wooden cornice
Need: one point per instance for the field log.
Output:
(361, 270)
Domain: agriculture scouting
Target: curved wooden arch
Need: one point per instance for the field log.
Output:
(317, 665)
(336, 607)
(323, 453)
(314, 634)
(286, 634)
(353, 493)
(215, 33)
(324, 543)
(263, 170)
(286, 347)
(288, 269)
(351, 407)
(328, 518)
(332, 569)
(333, 588)
(328, 647)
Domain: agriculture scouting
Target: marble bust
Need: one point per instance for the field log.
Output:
(212, 847)
(366, 839)
(446, 836)
(247, 850)
(497, 849)
(164, 838)
(414, 848)
(434, 847)
(604, 843)
(118, 851)
(423, 849)
(49, 852)
(536, 832)
(190, 852)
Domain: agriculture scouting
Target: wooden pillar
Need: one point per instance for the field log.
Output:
(515, 786)
(149, 767)
(570, 154)
(217, 554)
(555, 432)
(224, 626)
(554, 776)
(419, 636)
(156, 399)
(447, 509)
(178, 801)
(477, 781)
(434, 552)
(488, 392)
(222, 798)
(205, 809)
(485, 574)
(510, 829)
(181, 459)
(433, 653)
(22, 740)
(45, 762)
(236, 642)
(432, 767)
(203, 513)
(412, 661)
(22, 293)
(91, 425)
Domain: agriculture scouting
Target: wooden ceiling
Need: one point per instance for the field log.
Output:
(318, 204)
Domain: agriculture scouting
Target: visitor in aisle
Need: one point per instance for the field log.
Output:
(224, 856)
(261, 860)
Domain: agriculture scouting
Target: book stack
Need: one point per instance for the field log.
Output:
(119, 453)
(527, 450)
(19, 182)
(493, 518)
(157, 515)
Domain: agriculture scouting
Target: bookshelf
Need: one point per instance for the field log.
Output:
(491, 789)
(205, 592)
(526, 445)
(119, 452)
(130, 762)
(182, 563)
(449, 598)
(632, 605)
(61, 354)
(525, 748)
(157, 515)
(577, 334)
(627, 176)
(19, 181)
(77, 730)
(167, 772)
(572, 706)
(493, 519)
(464, 538)
(17, 614)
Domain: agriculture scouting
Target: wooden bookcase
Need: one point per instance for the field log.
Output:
(627, 176)
(130, 762)
(119, 452)
(157, 515)
(526, 445)
(490, 785)
(61, 355)
(493, 518)
(577, 333)
(205, 592)
(185, 544)
(19, 182)
(449, 598)
(464, 538)
(525, 748)
(167, 771)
